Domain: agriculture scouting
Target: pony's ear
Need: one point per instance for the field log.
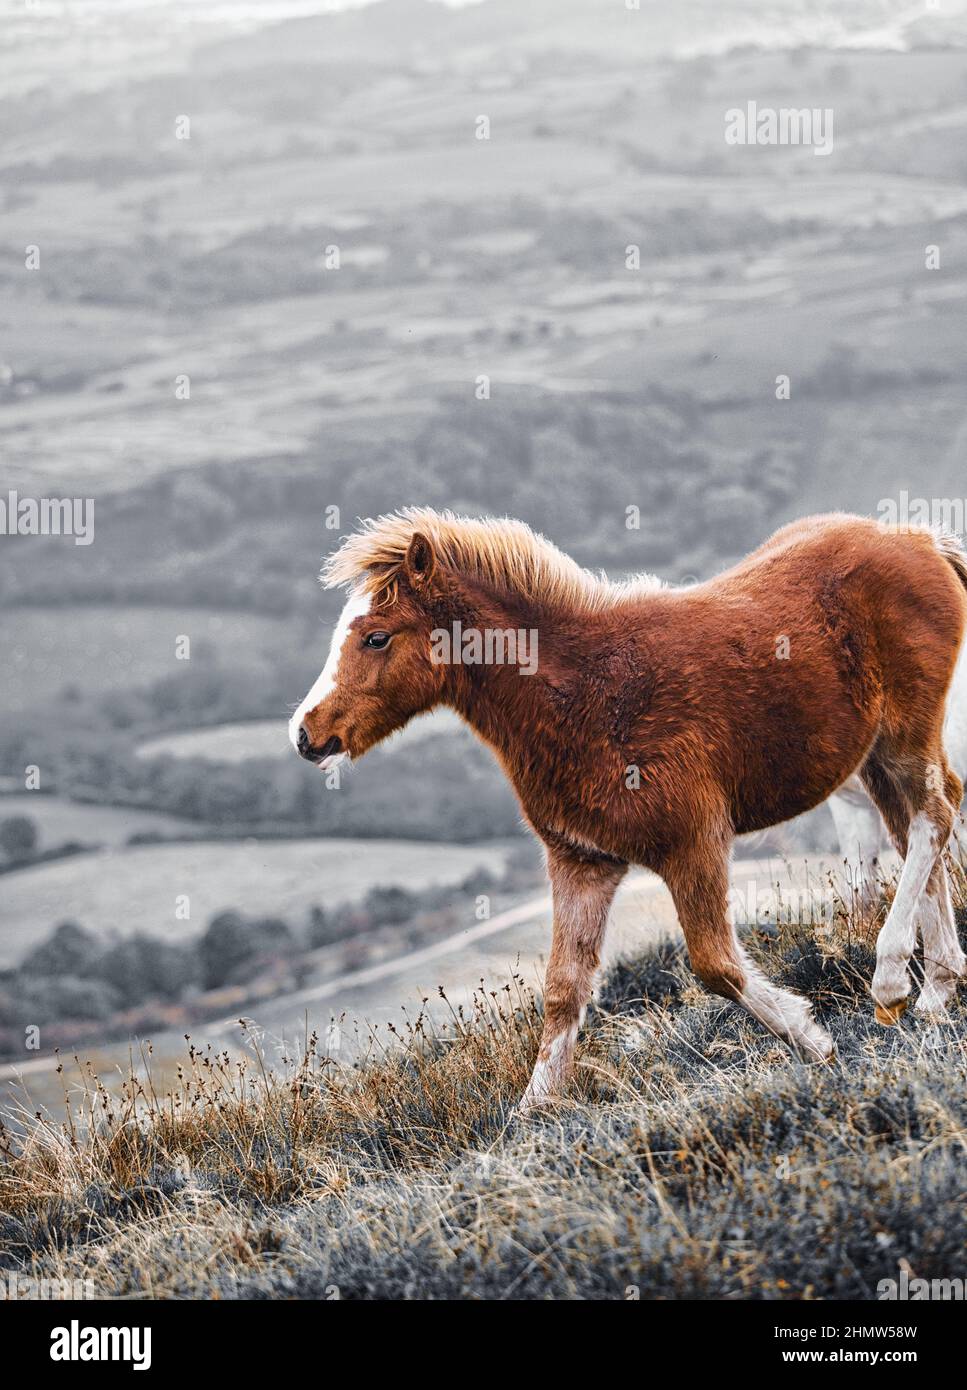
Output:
(420, 560)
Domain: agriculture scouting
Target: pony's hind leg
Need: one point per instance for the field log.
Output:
(699, 881)
(583, 890)
(859, 828)
(943, 959)
(913, 801)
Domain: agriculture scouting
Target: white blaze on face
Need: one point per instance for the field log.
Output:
(355, 608)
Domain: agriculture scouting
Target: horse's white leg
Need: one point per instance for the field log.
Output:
(860, 830)
(926, 838)
(583, 890)
(698, 880)
(943, 959)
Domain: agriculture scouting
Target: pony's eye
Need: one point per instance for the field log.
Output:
(377, 640)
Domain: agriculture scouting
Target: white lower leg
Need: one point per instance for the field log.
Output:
(551, 1069)
(943, 959)
(582, 896)
(787, 1015)
(898, 936)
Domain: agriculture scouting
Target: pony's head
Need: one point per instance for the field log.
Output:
(405, 572)
(378, 673)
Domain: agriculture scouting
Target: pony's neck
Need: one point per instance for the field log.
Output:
(501, 703)
(501, 715)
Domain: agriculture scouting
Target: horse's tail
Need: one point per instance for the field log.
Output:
(952, 549)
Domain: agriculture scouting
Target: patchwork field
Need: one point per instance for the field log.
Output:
(123, 891)
(102, 647)
(59, 821)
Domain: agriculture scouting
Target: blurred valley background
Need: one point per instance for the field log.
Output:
(272, 262)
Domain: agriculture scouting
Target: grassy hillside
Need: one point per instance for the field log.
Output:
(693, 1157)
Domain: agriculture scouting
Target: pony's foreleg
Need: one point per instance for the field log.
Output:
(699, 880)
(583, 892)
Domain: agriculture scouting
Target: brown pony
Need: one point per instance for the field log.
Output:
(648, 725)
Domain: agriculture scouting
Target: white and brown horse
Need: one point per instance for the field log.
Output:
(656, 723)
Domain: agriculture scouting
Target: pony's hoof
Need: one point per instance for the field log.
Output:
(937, 993)
(528, 1108)
(813, 1044)
(932, 1004)
(890, 1014)
(530, 1102)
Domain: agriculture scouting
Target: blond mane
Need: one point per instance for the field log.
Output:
(498, 551)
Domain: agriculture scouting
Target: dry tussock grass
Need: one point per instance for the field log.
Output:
(693, 1157)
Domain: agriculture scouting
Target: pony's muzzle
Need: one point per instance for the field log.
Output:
(310, 752)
